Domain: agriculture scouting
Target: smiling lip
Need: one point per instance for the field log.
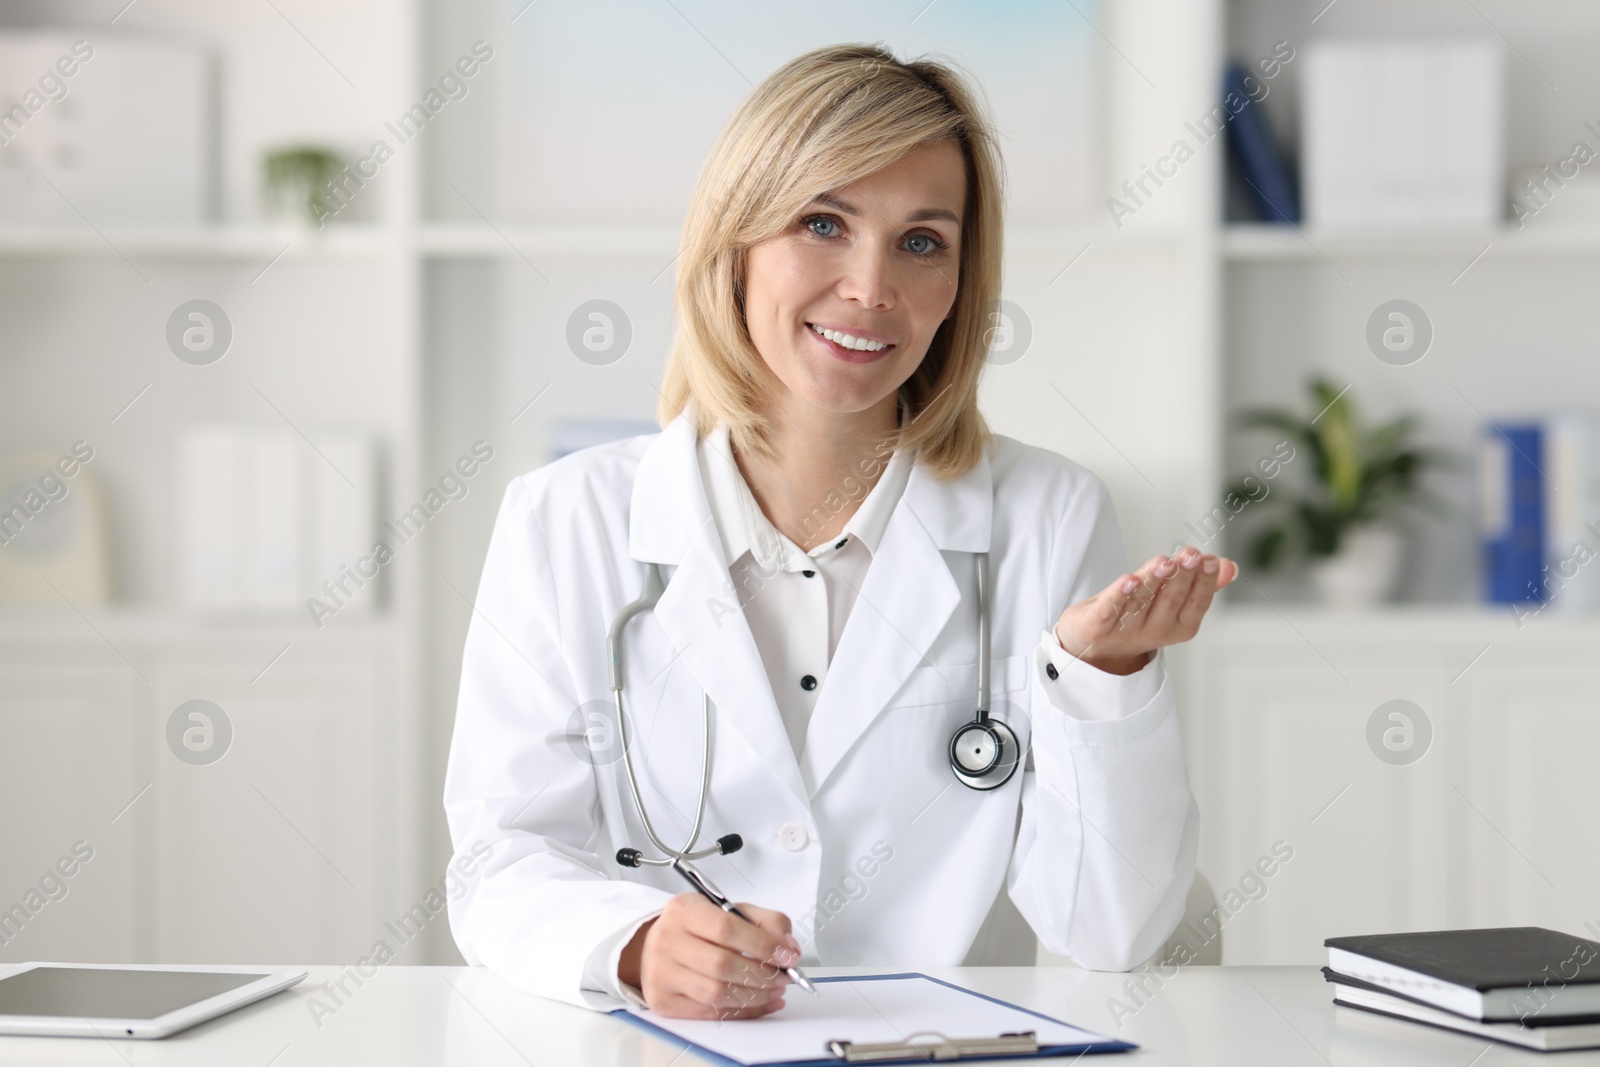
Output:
(850, 355)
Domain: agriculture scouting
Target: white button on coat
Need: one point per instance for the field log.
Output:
(793, 836)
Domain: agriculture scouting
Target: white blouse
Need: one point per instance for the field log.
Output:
(797, 604)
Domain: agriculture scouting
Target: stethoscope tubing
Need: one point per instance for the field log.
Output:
(982, 779)
(653, 588)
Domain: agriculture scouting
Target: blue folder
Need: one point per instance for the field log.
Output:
(826, 1060)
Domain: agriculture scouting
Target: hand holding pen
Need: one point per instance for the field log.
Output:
(704, 887)
(699, 961)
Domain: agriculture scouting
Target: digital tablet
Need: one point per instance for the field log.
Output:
(110, 1000)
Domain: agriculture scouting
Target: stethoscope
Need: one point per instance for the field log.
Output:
(983, 753)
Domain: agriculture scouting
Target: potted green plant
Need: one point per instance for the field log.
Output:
(1342, 523)
(293, 179)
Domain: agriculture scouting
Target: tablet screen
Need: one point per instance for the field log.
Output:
(111, 994)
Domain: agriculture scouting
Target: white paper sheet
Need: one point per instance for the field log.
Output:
(864, 1011)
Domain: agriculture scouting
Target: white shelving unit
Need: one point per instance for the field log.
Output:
(301, 840)
(1474, 832)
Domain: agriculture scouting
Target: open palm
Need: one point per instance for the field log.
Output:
(1161, 604)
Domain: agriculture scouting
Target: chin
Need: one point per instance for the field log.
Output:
(842, 397)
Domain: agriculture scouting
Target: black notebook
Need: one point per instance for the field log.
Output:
(1506, 973)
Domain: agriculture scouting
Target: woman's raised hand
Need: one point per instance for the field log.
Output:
(1161, 604)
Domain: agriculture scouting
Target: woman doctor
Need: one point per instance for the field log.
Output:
(823, 503)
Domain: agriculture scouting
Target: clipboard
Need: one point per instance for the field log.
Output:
(880, 1018)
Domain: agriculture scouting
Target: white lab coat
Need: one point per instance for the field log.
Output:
(867, 842)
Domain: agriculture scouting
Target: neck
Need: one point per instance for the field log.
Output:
(823, 465)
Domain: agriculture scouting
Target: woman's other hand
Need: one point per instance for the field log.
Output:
(1118, 629)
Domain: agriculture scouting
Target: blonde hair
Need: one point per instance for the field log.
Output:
(820, 122)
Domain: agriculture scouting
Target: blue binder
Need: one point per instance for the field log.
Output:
(1250, 137)
(1513, 488)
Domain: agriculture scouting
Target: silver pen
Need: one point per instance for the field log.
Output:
(704, 887)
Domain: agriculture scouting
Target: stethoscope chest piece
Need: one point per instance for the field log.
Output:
(984, 755)
(984, 752)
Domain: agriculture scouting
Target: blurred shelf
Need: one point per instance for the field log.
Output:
(1065, 243)
(530, 242)
(1267, 243)
(265, 243)
(445, 240)
(1399, 622)
(449, 241)
(142, 626)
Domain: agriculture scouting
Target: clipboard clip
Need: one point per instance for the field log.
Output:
(939, 1049)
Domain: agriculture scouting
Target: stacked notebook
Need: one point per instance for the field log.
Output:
(1522, 985)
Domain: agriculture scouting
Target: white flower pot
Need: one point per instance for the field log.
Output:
(1364, 570)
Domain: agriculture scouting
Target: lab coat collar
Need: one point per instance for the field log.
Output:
(671, 511)
(746, 528)
(904, 603)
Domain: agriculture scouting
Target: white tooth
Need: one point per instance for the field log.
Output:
(844, 340)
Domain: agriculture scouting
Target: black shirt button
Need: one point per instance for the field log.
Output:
(1050, 669)
(809, 574)
(808, 682)
(842, 540)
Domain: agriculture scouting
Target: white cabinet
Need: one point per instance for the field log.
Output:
(282, 850)
(67, 724)
(1486, 828)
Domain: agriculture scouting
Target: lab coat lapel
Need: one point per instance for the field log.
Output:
(671, 523)
(904, 603)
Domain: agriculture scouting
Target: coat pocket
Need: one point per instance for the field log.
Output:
(943, 683)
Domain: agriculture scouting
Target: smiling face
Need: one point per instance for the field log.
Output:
(875, 264)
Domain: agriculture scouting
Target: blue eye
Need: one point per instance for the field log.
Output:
(931, 248)
(814, 221)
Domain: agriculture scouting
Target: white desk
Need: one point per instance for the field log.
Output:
(1273, 1016)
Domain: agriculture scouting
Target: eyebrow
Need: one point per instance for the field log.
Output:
(920, 215)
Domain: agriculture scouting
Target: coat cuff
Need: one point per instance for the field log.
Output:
(600, 970)
(1089, 694)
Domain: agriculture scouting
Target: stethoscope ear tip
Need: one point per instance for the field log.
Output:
(629, 857)
(729, 843)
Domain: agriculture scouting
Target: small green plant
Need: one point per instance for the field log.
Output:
(293, 179)
(1360, 475)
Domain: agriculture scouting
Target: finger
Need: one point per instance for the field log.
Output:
(1227, 572)
(1177, 579)
(778, 924)
(1150, 581)
(1113, 601)
(729, 967)
(685, 994)
(711, 923)
(775, 921)
(719, 994)
(1194, 608)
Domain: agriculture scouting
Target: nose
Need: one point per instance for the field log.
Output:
(868, 276)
